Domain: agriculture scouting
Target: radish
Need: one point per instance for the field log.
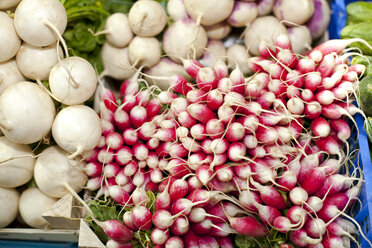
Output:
(163, 71)
(9, 41)
(48, 18)
(176, 9)
(32, 204)
(147, 18)
(320, 127)
(319, 21)
(53, 168)
(9, 206)
(16, 163)
(218, 31)
(184, 39)
(159, 236)
(266, 28)
(264, 7)
(300, 39)
(140, 49)
(174, 242)
(76, 129)
(73, 80)
(116, 62)
(36, 62)
(9, 74)
(242, 14)
(117, 29)
(200, 11)
(215, 50)
(142, 217)
(289, 11)
(21, 103)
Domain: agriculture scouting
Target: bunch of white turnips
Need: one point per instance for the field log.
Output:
(30, 56)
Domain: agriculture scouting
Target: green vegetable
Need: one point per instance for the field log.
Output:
(368, 128)
(360, 30)
(364, 60)
(359, 12)
(365, 95)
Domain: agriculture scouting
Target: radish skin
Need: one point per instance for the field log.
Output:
(21, 103)
(9, 206)
(9, 40)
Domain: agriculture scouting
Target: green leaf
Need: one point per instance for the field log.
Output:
(151, 202)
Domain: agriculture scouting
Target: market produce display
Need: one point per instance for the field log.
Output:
(188, 123)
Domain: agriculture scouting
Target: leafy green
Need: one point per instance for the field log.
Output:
(273, 240)
(151, 204)
(359, 12)
(360, 30)
(364, 60)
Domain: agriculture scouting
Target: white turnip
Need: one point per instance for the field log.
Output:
(238, 55)
(53, 168)
(77, 129)
(319, 21)
(9, 74)
(215, 50)
(201, 11)
(9, 199)
(267, 29)
(7, 4)
(26, 112)
(144, 51)
(9, 40)
(73, 80)
(176, 9)
(185, 39)
(243, 14)
(32, 204)
(39, 22)
(147, 18)
(218, 31)
(294, 12)
(264, 7)
(36, 62)
(116, 62)
(16, 163)
(300, 37)
(117, 30)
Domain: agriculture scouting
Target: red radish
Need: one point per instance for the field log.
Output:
(266, 135)
(194, 183)
(295, 106)
(315, 227)
(313, 81)
(142, 218)
(204, 174)
(307, 95)
(153, 107)
(297, 215)
(105, 155)
(180, 85)
(219, 146)
(190, 144)
(283, 224)
(192, 67)
(214, 128)
(342, 128)
(329, 145)
(180, 226)
(114, 244)
(332, 240)
(235, 132)
(249, 122)
(114, 140)
(313, 204)
(165, 134)
(174, 242)
(248, 226)
(159, 236)
(266, 99)
(186, 120)
(270, 195)
(107, 127)
(94, 183)
(236, 151)
(206, 79)
(178, 189)
(130, 168)
(191, 240)
(337, 45)
(201, 112)
(312, 110)
(298, 196)
(111, 169)
(224, 242)
(214, 99)
(320, 127)
(305, 65)
(325, 97)
(119, 195)
(198, 131)
(178, 105)
(314, 180)
(121, 119)
(301, 239)
(153, 143)
(123, 155)
(138, 116)
(93, 169)
(162, 219)
(139, 178)
(165, 97)
(121, 179)
(224, 85)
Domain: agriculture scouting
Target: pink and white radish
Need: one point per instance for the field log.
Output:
(293, 12)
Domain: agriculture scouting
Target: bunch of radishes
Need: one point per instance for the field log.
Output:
(34, 71)
(230, 154)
